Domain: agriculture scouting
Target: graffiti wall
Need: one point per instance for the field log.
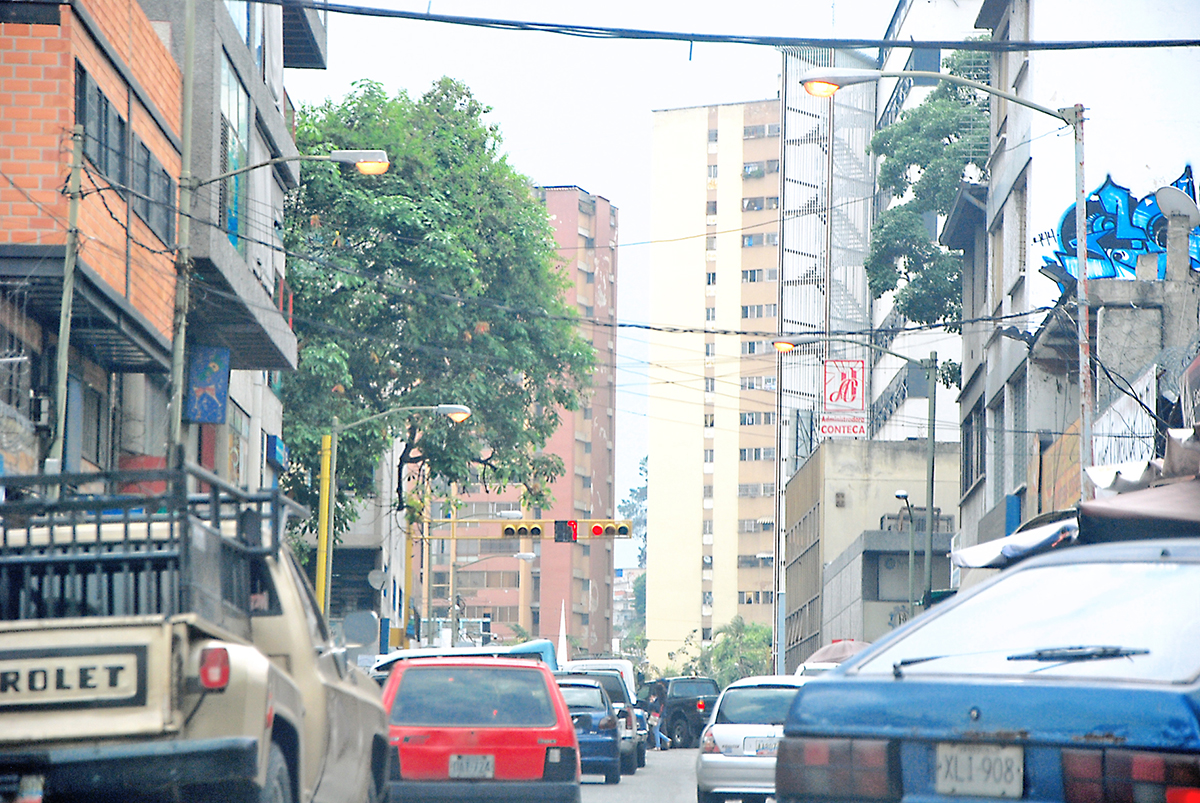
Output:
(1121, 228)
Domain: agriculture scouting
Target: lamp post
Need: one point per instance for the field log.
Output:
(903, 495)
(823, 82)
(370, 163)
(526, 557)
(328, 494)
(786, 344)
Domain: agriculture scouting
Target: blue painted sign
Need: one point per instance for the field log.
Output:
(208, 385)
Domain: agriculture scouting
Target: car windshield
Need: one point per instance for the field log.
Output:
(473, 696)
(1120, 620)
(582, 697)
(750, 705)
(693, 688)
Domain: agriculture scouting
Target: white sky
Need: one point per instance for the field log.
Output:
(578, 111)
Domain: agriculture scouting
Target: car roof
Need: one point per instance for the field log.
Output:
(570, 681)
(769, 680)
(473, 661)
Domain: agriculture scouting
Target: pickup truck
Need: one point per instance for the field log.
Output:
(159, 642)
(687, 703)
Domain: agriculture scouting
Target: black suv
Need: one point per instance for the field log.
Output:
(687, 702)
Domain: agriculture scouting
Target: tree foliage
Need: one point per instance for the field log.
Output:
(634, 508)
(739, 649)
(927, 154)
(435, 282)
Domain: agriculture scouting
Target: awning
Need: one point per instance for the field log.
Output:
(1165, 511)
(1001, 552)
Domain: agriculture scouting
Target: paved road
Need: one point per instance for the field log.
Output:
(668, 777)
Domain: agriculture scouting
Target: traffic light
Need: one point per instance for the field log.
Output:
(566, 531)
(523, 529)
(606, 528)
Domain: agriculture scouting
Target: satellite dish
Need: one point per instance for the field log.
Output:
(376, 578)
(1176, 203)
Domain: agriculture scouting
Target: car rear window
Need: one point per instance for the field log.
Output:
(615, 686)
(693, 688)
(1144, 611)
(583, 697)
(751, 705)
(476, 696)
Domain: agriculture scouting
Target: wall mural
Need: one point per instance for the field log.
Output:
(1120, 229)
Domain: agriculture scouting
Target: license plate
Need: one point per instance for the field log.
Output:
(472, 766)
(981, 770)
(758, 746)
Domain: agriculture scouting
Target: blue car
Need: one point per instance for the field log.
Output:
(595, 727)
(1070, 678)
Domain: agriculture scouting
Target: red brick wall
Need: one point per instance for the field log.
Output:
(37, 110)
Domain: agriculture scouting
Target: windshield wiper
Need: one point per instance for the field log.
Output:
(903, 662)
(1078, 653)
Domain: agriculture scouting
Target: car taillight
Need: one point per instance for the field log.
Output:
(561, 764)
(837, 768)
(630, 719)
(1129, 776)
(700, 706)
(607, 724)
(707, 743)
(214, 668)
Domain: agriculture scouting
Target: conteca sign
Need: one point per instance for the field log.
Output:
(843, 427)
(845, 399)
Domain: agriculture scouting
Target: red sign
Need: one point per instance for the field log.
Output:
(845, 399)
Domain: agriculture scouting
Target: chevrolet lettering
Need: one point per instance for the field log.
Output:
(78, 677)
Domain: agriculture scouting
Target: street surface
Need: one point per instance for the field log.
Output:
(668, 777)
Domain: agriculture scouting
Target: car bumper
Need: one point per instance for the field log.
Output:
(731, 774)
(136, 767)
(597, 756)
(488, 791)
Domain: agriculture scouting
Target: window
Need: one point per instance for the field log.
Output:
(708, 455)
(712, 135)
(710, 208)
(974, 446)
(710, 384)
(708, 492)
(103, 128)
(771, 238)
(710, 243)
(1020, 434)
(706, 527)
(710, 278)
(747, 455)
(754, 419)
(710, 313)
(710, 420)
(235, 143)
(758, 383)
(754, 132)
(772, 129)
(710, 349)
(94, 432)
(751, 240)
(712, 171)
(758, 311)
(705, 599)
(1000, 455)
(589, 311)
(752, 204)
(754, 347)
(773, 202)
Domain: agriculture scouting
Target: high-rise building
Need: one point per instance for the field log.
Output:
(712, 375)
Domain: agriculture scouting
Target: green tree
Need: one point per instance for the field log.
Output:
(436, 282)
(927, 153)
(634, 508)
(738, 649)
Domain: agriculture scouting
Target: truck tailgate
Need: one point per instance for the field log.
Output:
(83, 678)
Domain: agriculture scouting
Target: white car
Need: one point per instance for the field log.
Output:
(738, 745)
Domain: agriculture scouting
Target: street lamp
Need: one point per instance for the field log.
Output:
(526, 557)
(822, 82)
(327, 500)
(786, 344)
(903, 496)
(370, 163)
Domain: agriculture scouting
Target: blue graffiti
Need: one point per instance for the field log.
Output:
(1120, 229)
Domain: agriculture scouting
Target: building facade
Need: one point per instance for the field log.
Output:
(116, 70)
(712, 452)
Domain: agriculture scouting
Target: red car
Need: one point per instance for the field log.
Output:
(494, 729)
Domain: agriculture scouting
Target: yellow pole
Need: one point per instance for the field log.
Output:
(323, 520)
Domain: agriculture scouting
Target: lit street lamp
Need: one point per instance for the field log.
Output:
(328, 496)
(824, 82)
(786, 344)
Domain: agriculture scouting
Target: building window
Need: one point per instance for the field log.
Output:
(710, 349)
(751, 276)
(587, 447)
(773, 202)
(103, 129)
(758, 383)
(772, 129)
(748, 455)
(712, 135)
(235, 144)
(708, 455)
(758, 311)
(710, 278)
(710, 420)
(1000, 452)
(708, 492)
(751, 240)
(710, 208)
(974, 446)
(706, 527)
(710, 243)
(1020, 434)
(712, 171)
(752, 204)
(754, 132)
(710, 384)
(710, 313)
(771, 238)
